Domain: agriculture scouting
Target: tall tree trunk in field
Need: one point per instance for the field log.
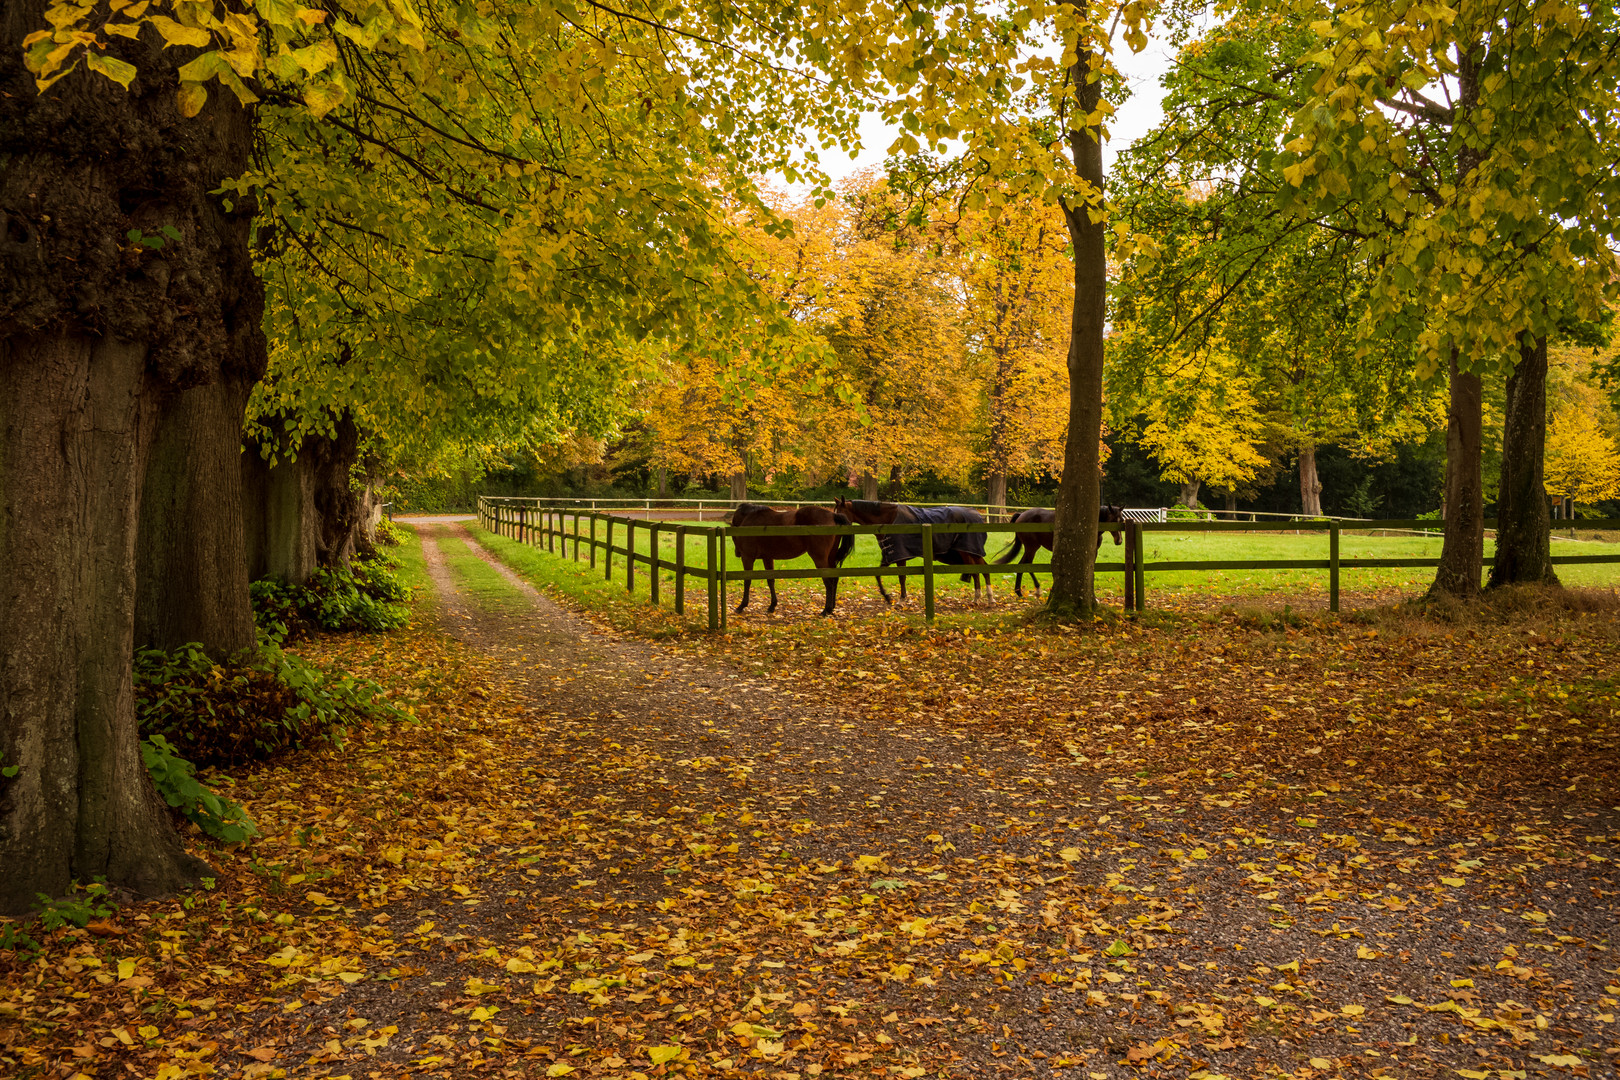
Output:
(996, 493)
(191, 572)
(1462, 553)
(663, 482)
(1189, 494)
(739, 481)
(869, 485)
(1310, 486)
(1074, 541)
(1523, 521)
(96, 334)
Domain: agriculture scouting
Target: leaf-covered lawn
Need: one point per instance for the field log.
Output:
(855, 848)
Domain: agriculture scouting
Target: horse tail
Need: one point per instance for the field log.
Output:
(1017, 542)
(845, 544)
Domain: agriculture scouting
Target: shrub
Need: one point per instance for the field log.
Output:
(249, 709)
(365, 595)
(387, 534)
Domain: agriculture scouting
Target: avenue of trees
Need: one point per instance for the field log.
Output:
(258, 255)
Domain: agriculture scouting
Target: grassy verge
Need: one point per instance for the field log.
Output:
(478, 579)
(412, 570)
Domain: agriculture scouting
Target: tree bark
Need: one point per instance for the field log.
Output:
(996, 496)
(1310, 486)
(663, 482)
(1523, 522)
(1462, 553)
(96, 331)
(869, 485)
(191, 570)
(1074, 540)
(1189, 494)
(739, 486)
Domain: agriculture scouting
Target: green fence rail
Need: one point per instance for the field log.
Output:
(593, 539)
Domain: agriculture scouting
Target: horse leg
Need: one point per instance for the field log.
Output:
(770, 564)
(1029, 557)
(830, 583)
(748, 565)
(887, 599)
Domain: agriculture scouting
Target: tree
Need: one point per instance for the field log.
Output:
(1471, 147)
(1219, 268)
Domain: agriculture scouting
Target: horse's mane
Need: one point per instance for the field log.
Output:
(869, 506)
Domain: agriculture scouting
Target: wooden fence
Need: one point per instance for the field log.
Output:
(596, 538)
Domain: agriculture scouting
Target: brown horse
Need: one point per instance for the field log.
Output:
(824, 551)
(957, 548)
(1032, 542)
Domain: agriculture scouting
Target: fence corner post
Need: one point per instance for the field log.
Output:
(680, 569)
(1141, 571)
(713, 581)
(653, 565)
(1130, 566)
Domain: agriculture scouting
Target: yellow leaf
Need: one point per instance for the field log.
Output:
(190, 98)
(1321, 1063)
(126, 968)
(661, 1054)
(1352, 1010)
(175, 34)
(1454, 882)
(1365, 953)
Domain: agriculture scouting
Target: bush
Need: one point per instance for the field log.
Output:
(387, 534)
(249, 709)
(365, 595)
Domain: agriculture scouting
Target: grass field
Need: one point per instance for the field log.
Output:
(1307, 587)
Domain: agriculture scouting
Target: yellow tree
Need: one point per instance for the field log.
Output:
(1583, 456)
(894, 330)
(1016, 283)
(1203, 426)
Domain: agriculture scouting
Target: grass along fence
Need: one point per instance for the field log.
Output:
(699, 551)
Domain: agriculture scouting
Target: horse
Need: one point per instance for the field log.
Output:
(956, 548)
(1032, 542)
(824, 551)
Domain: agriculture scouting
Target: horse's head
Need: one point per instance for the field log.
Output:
(841, 506)
(1113, 515)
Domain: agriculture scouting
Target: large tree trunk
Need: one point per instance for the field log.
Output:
(191, 572)
(739, 482)
(1310, 487)
(75, 424)
(337, 504)
(1523, 526)
(96, 331)
(279, 518)
(1462, 554)
(869, 485)
(663, 482)
(1189, 494)
(1074, 541)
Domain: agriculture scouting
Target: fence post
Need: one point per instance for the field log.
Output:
(552, 520)
(928, 572)
(724, 600)
(607, 551)
(652, 530)
(1333, 567)
(1131, 528)
(1141, 571)
(680, 569)
(630, 559)
(592, 545)
(713, 583)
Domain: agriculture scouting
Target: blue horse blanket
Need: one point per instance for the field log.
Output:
(948, 547)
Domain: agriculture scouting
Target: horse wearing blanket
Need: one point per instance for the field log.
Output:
(956, 548)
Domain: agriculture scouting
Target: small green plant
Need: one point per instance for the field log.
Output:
(96, 903)
(176, 780)
(9, 771)
(153, 242)
(14, 939)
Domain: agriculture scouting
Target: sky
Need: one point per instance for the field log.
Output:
(1135, 118)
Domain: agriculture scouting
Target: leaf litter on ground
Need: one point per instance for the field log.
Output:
(1212, 847)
